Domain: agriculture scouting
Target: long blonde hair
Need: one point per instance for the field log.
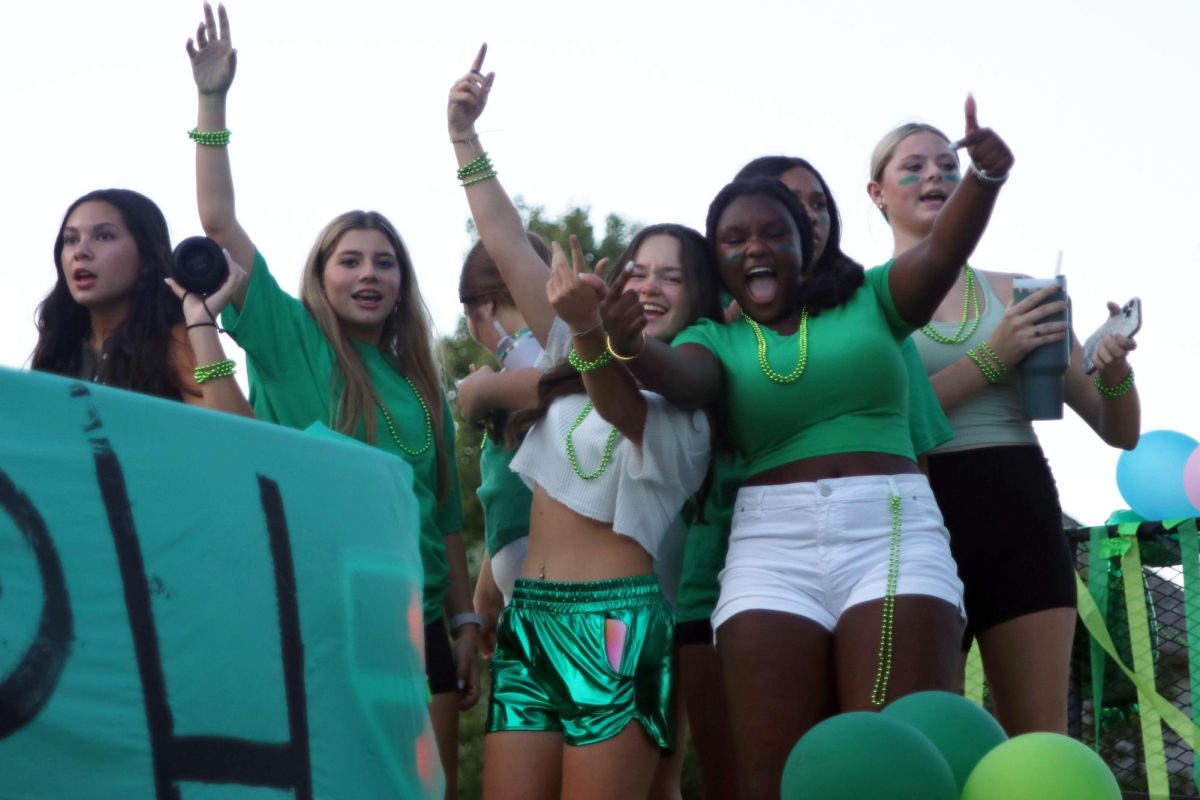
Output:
(406, 342)
(886, 149)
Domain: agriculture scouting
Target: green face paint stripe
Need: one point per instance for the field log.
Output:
(908, 180)
(952, 177)
(823, 220)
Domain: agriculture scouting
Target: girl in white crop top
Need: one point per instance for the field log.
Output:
(610, 467)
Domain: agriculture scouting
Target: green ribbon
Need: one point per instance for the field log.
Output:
(1098, 586)
(1141, 646)
(1189, 553)
(973, 680)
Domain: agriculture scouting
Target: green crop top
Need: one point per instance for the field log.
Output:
(290, 363)
(852, 396)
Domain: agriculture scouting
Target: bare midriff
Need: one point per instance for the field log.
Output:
(840, 465)
(566, 546)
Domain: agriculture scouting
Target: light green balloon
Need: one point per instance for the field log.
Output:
(1041, 766)
(866, 756)
(961, 730)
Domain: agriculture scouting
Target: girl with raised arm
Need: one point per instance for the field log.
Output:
(992, 481)
(354, 352)
(838, 563)
(111, 317)
(584, 649)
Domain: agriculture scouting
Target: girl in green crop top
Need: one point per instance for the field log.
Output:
(843, 387)
(1017, 570)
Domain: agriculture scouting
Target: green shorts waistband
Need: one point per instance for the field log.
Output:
(573, 597)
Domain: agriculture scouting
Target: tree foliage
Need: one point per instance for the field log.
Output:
(460, 351)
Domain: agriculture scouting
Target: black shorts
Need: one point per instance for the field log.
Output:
(440, 669)
(1001, 508)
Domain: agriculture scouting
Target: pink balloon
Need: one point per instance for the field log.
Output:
(1191, 478)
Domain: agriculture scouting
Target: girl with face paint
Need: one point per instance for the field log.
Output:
(581, 698)
(353, 352)
(992, 481)
(838, 563)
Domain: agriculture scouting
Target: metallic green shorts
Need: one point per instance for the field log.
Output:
(585, 659)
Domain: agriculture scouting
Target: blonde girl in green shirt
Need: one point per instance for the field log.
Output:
(355, 354)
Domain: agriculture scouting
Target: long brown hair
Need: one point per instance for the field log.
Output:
(405, 343)
(139, 350)
(700, 287)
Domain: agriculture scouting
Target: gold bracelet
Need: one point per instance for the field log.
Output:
(608, 346)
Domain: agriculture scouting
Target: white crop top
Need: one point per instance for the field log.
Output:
(643, 489)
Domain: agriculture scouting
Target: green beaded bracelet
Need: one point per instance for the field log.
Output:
(480, 163)
(221, 369)
(989, 372)
(1120, 390)
(578, 363)
(210, 138)
(997, 362)
(487, 176)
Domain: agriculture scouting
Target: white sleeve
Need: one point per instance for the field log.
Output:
(558, 346)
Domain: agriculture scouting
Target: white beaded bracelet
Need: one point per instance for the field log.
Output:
(991, 180)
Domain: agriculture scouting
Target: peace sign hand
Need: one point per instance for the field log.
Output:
(214, 61)
(468, 96)
(574, 293)
(990, 157)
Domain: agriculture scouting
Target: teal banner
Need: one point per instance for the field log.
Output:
(195, 605)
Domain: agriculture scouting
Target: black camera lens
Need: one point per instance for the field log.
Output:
(199, 265)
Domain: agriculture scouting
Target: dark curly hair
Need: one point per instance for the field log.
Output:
(139, 350)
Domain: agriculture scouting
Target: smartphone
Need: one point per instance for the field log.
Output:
(1126, 322)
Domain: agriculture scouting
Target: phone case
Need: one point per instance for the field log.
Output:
(1126, 322)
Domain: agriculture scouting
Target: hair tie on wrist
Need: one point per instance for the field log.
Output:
(202, 325)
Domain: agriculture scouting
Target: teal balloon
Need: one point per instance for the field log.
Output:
(1150, 476)
(866, 756)
(963, 732)
(1041, 766)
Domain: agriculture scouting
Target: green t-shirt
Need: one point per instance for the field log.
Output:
(291, 364)
(708, 541)
(927, 423)
(852, 396)
(504, 497)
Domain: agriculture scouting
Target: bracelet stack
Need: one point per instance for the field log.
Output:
(221, 369)
(210, 138)
(578, 363)
(989, 180)
(477, 170)
(989, 362)
(1120, 390)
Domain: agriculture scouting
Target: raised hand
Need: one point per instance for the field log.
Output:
(468, 96)
(989, 154)
(214, 61)
(1111, 352)
(1021, 328)
(574, 292)
(622, 313)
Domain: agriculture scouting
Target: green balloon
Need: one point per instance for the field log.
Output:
(1041, 766)
(961, 730)
(866, 756)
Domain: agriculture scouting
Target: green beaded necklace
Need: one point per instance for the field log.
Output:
(883, 669)
(971, 301)
(608, 447)
(391, 426)
(765, 365)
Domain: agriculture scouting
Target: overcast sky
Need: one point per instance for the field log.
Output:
(643, 108)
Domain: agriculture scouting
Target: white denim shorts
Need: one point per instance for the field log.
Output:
(816, 549)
